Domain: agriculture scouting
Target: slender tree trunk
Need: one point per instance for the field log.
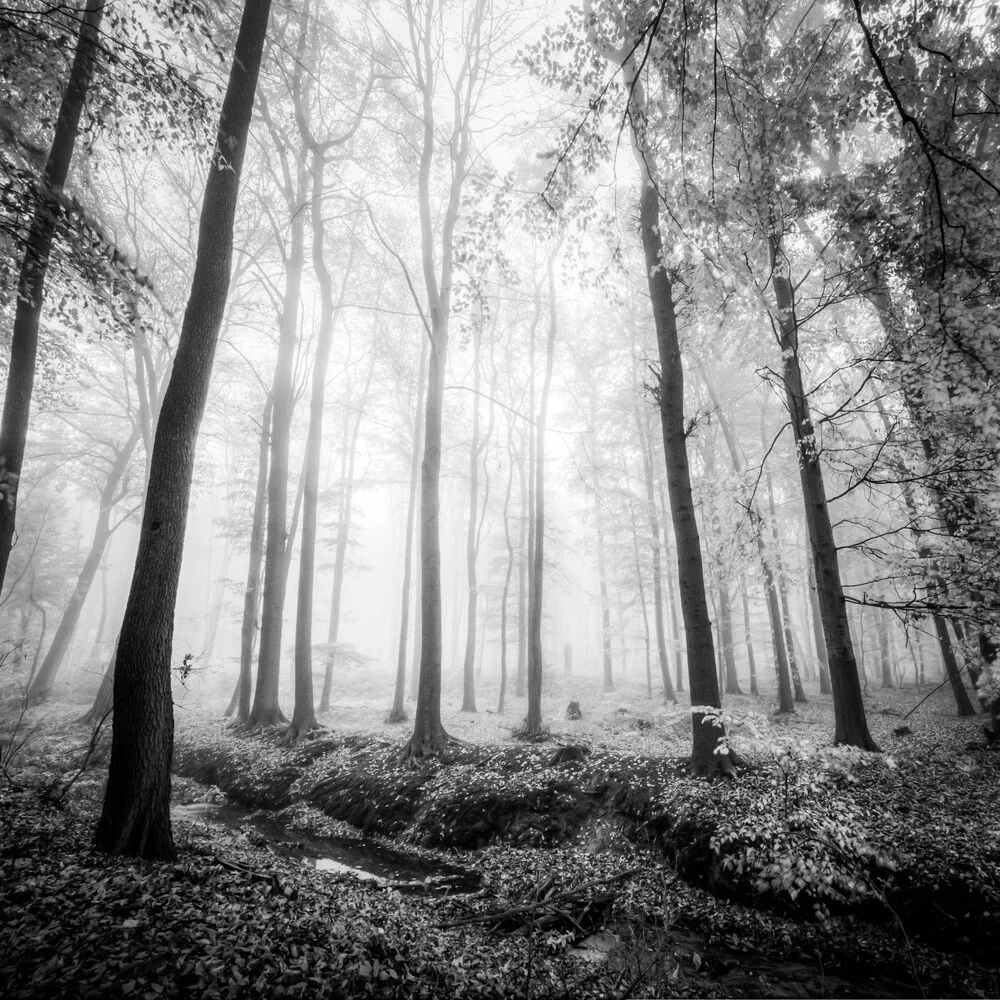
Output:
(885, 659)
(240, 703)
(523, 554)
(502, 698)
(848, 705)
(818, 638)
(533, 722)
(602, 578)
(135, 819)
(751, 659)
(304, 712)
(642, 426)
(694, 606)
(398, 712)
(104, 700)
(951, 668)
(343, 537)
(266, 711)
(417, 625)
(34, 267)
(472, 548)
(429, 735)
(42, 682)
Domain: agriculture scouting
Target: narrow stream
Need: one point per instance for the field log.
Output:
(351, 855)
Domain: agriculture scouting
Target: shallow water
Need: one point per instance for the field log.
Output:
(365, 859)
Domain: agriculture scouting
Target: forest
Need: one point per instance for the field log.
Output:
(500, 499)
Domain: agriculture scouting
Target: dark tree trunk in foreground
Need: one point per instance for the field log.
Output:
(135, 819)
(706, 732)
(31, 280)
(848, 705)
(41, 684)
(398, 713)
(240, 703)
(533, 721)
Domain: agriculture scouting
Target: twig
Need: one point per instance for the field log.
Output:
(488, 918)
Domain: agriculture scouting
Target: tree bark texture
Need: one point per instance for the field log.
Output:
(135, 819)
(849, 709)
(702, 680)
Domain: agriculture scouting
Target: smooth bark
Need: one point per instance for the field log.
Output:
(398, 712)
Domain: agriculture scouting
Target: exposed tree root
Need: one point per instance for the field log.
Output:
(296, 730)
(430, 745)
(262, 720)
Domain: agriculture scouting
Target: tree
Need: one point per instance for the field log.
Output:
(438, 268)
(702, 680)
(135, 818)
(536, 580)
(398, 712)
(294, 186)
(34, 267)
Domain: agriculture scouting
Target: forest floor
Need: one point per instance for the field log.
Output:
(604, 872)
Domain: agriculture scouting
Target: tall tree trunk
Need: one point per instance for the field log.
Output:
(429, 735)
(34, 267)
(751, 659)
(818, 638)
(344, 535)
(523, 554)
(41, 684)
(848, 706)
(266, 711)
(398, 712)
(240, 703)
(884, 655)
(135, 819)
(779, 575)
(671, 590)
(533, 722)
(502, 697)
(639, 579)
(706, 733)
(471, 548)
(642, 427)
(304, 713)
(602, 579)
(951, 668)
